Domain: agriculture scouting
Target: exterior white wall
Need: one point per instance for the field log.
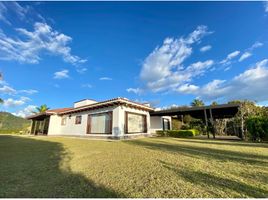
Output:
(70, 128)
(123, 110)
(157, 123)
(84, 103)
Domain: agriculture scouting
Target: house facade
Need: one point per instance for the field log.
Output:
(114, 118)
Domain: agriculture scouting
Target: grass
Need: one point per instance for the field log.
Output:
(150, 167)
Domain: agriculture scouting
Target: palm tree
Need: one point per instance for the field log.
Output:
(197, 102)
(41, 109)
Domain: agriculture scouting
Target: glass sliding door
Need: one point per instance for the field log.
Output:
(100, 123)
(135, 123)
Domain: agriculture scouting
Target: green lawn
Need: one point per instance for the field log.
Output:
(149, 167)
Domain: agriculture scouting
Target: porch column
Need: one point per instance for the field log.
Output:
(206, 122)
(212, 122)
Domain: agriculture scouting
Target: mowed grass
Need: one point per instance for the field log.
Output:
(149, 167)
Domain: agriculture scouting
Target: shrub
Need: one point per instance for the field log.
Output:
(257, 128)
(178, 133)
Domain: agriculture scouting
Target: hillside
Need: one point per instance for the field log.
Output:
(10, 123)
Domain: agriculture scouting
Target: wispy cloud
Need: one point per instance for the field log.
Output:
(251, 84)
(229, 57)
(265, 6)
(10, 102)
(205, 48)
(86, 85)
(62, 74)
(248, 51)
(105, 79)
(29, 47)
(6, 89)
(135, 90)
(163, 68)
(244, 56)
(26, 111)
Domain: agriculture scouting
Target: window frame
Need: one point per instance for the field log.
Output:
(76, 119)
(89, 123)
(63, 121)
(145, 120)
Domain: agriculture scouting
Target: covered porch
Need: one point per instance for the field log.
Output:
(39, 124)
(208, 114)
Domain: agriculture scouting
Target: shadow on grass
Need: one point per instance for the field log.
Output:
(33, 168)
(216, 183)
(203, 152)
(224, 142)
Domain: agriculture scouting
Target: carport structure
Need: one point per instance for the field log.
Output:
(206, 113)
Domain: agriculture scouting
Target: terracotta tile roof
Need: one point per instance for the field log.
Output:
(110, 102)
(58, 110)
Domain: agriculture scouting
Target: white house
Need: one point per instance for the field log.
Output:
(114, 118)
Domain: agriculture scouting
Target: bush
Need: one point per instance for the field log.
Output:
(178, 133)
(257, 128)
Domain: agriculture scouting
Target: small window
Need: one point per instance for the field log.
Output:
(63, 121)
(78, 119)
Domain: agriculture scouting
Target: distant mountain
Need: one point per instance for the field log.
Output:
(10, 123)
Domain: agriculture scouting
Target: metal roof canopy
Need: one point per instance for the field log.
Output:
(200, 112)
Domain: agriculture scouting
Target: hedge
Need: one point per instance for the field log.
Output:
(257, 128)
(178, 133)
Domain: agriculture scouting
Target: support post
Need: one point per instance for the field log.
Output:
(206, 121)
(212, 122)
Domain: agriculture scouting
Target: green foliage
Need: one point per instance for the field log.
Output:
(187, 119)
(214, 103)
(12, 124)
(42, 108)
(178, 133)
(197, 102)
(257, 128)
(176, 124)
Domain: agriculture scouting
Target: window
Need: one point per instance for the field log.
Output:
(63, 121)
(100, 123)
(135, 123)
(78, 119)
(166, 124)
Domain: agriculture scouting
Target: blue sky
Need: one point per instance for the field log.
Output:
(165, 53)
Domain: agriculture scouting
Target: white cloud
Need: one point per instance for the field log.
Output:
(29, 47)
(27, 111)
(61, 74)
(163, 68)
(135, 90)
(248, 52)
(87, 85)
(256, 45)
(81, 70)
(105, 79)
(188, 88)
(30, 91)
(13, 103)
(266, 6)
(251, 85)
(7, 90)
(205, 48)
(229, 57)
(244, 56)
(3, 11)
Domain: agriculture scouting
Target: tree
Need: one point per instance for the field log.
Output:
(1, 101)
(214, 103)
(41, 109)
(197, 102)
